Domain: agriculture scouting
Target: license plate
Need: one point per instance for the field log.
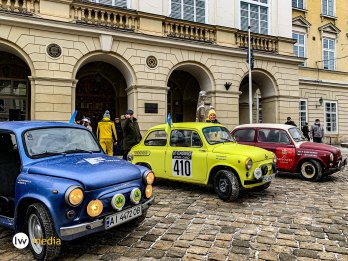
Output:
(268, 178)
(122, 217)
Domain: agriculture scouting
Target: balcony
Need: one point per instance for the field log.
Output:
(265, 43)
(20, 6)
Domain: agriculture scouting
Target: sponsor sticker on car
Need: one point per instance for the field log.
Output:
(182, 164)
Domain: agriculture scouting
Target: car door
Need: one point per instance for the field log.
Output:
(186, 158)
(279, 142)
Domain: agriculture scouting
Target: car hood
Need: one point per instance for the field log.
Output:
(91, 170)
(318, 146)
(255, 153)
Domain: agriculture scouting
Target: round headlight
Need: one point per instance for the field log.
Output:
(135, 195)
(257, 173)
(130, 157)
(149, 177)
(148, 191)
(74, 196)
(248, 164)
(118, 201)
(331, 157)
(94, 208)
(274, 158)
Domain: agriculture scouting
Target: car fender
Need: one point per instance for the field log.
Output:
(305, 158)
(219, 166)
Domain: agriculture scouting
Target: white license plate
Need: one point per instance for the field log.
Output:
(122, 217)
(268, 178)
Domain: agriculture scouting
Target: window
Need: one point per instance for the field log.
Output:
(328, 7)
(273, 135)
(156, 138)
(247, 135)
(329, 53)
(331, 116)
(185, 138)
(298, 4)
(254, 13)
(118, 3)
(299, 47)
(303, 113)
(191, 10)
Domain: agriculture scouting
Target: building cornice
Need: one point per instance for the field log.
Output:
(323, 70)
(322, 83)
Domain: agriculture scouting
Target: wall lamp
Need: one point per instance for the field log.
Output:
(227, 85)
(320, 102)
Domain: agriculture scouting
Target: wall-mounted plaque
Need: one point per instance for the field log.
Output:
(151, 107)
(54, 50)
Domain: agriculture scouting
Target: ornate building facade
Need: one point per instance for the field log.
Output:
(153, 56)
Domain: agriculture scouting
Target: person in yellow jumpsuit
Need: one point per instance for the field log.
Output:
(106, 134)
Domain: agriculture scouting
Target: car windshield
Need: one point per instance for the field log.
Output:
(54, 141)
(296, 134)
(217, 134)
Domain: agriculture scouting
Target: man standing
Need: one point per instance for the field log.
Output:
(106, 133)
(317, 131)
(119, 131)
(131, 133)
(290, 122)
(305, 130)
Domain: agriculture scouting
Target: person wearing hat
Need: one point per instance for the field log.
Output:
(87, 123)
(212, 117)
(290, 122)
(131, 132)
(106, 133)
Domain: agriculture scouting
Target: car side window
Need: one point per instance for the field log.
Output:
(273, 135)
(185, 138)
(156, 138)
(246, 135)
(263, 133)
(284, 138)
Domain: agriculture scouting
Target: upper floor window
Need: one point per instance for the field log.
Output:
(118, 3)
(299, 46)
(329, 53)
(255, 14)
(328, 7)
(191, 10)
(298, 4)
(331, 116)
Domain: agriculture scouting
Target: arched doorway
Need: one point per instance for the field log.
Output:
(264, 99)
(100, 87)
(14, 88)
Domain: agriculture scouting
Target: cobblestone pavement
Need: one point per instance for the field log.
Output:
(292, 220)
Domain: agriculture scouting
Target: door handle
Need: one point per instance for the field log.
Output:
(203, 150)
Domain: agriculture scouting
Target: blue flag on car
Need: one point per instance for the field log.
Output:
(169, 123)
(72, 119)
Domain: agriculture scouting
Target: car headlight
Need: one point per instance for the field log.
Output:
(274, 159)
(149, 177)
(94, 208)
(331, 157)
(257, 173)
(148, 191)
(74, 196)
(248, 164)
(130, 157)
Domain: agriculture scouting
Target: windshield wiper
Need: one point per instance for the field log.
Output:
(47, 153)
(77, 151)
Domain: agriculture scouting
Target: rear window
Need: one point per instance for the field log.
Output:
(247, 135)
(156, 138)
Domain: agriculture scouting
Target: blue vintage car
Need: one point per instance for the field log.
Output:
(57, 184)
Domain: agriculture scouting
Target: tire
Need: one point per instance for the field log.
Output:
(262, 187)
(311, 170)
(136, 222)
(226, 185)
(39, 224)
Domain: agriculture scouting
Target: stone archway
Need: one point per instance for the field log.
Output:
(14, 87)
(264, 94)
(185, 82)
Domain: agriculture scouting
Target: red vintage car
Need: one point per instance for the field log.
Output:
(294, 153)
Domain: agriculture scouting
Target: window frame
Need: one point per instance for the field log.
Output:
(329, 50)
(257, 3)
(306, 112)
(192, 147)
(156, 145)
(297, 7)
(333, 8)
(128, 3)
(336, 113)
(206, 20)
(244, 129)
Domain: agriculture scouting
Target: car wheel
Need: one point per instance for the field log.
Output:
(135, 222)
(226, 185)
(311, 170)
(39, 225)
(262, 187)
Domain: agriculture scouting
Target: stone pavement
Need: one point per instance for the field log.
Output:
(292, 220)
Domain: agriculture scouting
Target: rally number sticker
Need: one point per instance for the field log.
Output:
(182, 164)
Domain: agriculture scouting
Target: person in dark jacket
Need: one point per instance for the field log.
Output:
(305, 130)
(131, 133)
(212, 117)
(118, 150)
(290, 122)
(317, 131)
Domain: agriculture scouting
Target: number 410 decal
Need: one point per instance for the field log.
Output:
(182, 163)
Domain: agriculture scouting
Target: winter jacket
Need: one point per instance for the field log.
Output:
(214, 121)
(291, 123)
(131, 133)
(106, 129)
(317, 131)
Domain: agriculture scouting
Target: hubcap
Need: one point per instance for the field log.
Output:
(308, 170)
(223, 184)
(35, 233)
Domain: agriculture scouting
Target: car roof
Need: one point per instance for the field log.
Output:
(20, 126)
(197, 125)
(265, 125)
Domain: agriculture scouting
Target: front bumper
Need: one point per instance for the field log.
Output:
(72, 232)
(340, 166)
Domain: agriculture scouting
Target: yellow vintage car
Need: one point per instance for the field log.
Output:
(205, 153)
